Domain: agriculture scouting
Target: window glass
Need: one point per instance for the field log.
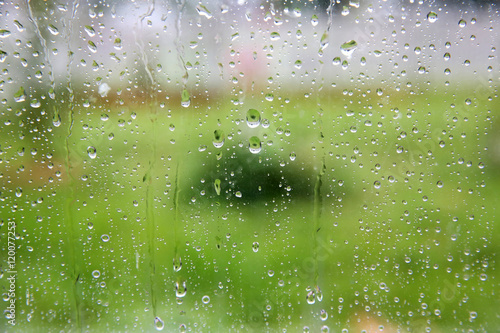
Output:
(249, 166)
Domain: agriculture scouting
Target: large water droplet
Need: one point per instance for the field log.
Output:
(19, 192)
(185, 98)
(203, 11)
(348, 48)
(255, 246)
(4, 33)
(92, 152)
(20, 95)
(219, 138)
(89, 30)
(217, 186)
(53, 30)
(254, 145)
(253, 118)
(432, 17)
(92, 47)
(180, 288)
(159, 324)
(3, 56)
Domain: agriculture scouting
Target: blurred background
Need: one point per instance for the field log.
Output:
(250, 166)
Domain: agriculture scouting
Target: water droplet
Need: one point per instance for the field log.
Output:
(439, 184)
(323, 315)
(203, 11)
(4, 33)
(92, 152)
(314, 20)
(180, 288)
(275, 36)
(348, 48)
(92, 47)
(89, 30)
(462, 23)
(19, 192)
(253, 118)
(255, 246)
(159, 324)
(298, 64)
(238, 194)
(96, 274)
(104, 89)
(336, 61)
(53, 30)
(421, 70)
(3, 56)
(217, 186)
(19, 26)
(177, 264)
(56, 120)
(35, 103)
(205, 299)
(293, 156)
(219, 138)
(105, 238)
(117, 44)
(311, 297)
(20, 95)
(376, 184)
(432, 17)
(185, 98)
(254, 145)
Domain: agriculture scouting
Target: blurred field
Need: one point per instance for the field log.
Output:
(397, 231)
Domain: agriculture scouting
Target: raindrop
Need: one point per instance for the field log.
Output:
(35, 103)
(275, 36)
(348, 48)
(254, 145)
(105, 238)
(314, 20)
(53, 30)
(180, 288)
(255, 246)
(96, 274)
(336, 61)
(253, 118)
(92, 152)
(117, 44)
(19, 192)
(310, 297)
(323, 315)
(89, 30)
(432, 17)
(205, 299)
(217, 186)
(159, 324)
(203, 11)
(3, 56)
(20, 95)
(238, 194)
(376, 184)
(4, 33)
(439, 184)
(219, 138)
(185, 98)
(92, 47)
(298, 64)
(292, 156)
(462, 23)
(177, 264)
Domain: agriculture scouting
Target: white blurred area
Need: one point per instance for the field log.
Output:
(240, 46)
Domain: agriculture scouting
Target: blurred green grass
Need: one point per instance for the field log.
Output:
(393, 247)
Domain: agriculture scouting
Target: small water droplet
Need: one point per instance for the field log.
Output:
(376, 184)
(253, 118)
(92, 152)
(19, 26)
(238, 194)
(323, 315)
(462, 23)
(311, 297)
(3, 56)
(105, 238)
(205, 299)
(177, 264)
(96, 274)
(19, 192)
(35, 103)
(439, 184)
